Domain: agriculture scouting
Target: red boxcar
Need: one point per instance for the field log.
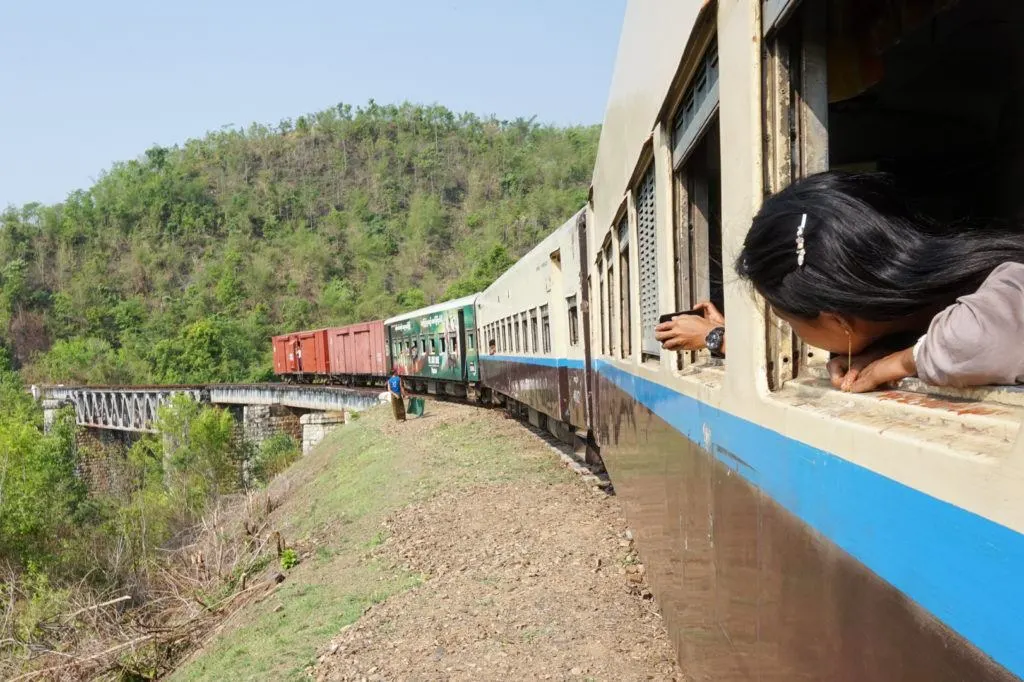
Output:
(284, 354)
(358, 350)
(301, 353)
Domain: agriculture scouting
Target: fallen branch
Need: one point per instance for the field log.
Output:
(97, 606)
(79, 661)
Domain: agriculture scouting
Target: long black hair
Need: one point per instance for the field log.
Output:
(868, 254)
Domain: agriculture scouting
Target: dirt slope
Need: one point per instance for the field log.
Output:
(526, 580)
(452, 547)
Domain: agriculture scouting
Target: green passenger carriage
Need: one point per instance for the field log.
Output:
(435, 348)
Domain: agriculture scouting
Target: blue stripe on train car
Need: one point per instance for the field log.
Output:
(569, 363)
(963, 568)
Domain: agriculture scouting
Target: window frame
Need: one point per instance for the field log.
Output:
(625, 302)
(545, 329)
(572, 310)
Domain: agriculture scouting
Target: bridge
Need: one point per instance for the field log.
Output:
(134, 408)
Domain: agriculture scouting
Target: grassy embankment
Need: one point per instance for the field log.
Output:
(333, 504)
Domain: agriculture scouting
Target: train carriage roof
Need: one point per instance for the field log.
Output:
(436, 308)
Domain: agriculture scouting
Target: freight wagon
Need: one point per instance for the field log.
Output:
(357, 354)
(352, 355)
(301, 356)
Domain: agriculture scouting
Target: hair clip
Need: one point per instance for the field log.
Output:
(801, 252)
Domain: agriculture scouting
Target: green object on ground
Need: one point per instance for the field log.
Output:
(416, 406)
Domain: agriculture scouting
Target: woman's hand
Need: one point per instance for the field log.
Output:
(710, 313)
(869, 371)
(688, 332)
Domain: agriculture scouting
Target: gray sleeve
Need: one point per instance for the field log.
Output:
(979, 340)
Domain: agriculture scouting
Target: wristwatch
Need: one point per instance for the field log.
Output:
(714, 341)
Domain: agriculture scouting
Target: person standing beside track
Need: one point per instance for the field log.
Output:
(396, 391)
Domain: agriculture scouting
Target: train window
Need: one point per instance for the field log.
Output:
(504, 338)
(444, 346)
(515, 334)
(600, 302)
(423, 346)
(795, 110)
(433, 346)
(511, 335)
(851, 85)
(696, 159)
(470, 341)
(526, 333)
(545, 329)
(533, 331)
(453, 343)
(611, 295)
(574, 322)
(625, 303)
(647, 254)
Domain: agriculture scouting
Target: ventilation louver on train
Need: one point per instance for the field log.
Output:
(646, 228)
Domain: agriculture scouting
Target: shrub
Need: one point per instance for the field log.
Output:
(275, 454)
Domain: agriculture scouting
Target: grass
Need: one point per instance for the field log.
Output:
(339, 495)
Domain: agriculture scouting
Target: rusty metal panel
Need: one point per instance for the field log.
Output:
(311, 356)
(357, 350)
(280, 347)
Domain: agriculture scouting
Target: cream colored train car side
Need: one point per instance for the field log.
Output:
(793, 532)
(533, 325)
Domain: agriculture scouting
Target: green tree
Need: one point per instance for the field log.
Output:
(179, 265)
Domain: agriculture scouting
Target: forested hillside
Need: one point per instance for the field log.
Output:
(177, 266)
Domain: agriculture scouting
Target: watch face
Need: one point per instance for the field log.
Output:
(714, 339)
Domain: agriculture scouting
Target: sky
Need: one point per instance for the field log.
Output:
(85, 84)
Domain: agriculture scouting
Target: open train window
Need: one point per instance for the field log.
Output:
(533, 331)
(504, 339)
(526, 332)
(470, 341)
(515, 335)
(611, 295)
(545, 329)
(574, 322)
(625, 300)
(933, 95)
(696, 161)
(600, 303)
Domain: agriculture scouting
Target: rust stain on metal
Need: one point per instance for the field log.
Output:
(938, 404)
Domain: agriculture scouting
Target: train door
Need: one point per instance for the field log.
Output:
(463, 374)
(588, 385)
(362, 356)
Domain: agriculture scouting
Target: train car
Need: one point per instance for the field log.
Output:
(792, 531)
(301, 356)
(357, 353)
(435, 347)
(535, 333)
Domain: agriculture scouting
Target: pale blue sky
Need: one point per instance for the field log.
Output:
(84, 84)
